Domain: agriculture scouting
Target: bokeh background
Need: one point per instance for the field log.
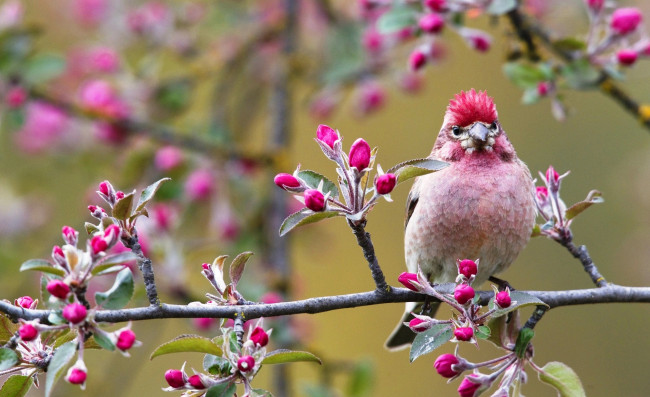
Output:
(602, 145)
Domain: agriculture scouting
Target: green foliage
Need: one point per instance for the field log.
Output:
(304, 217)
(524, 338)
(188, 343)
(431, 339)
(313, 180)
(216, 365)
(41, 265)
(417, 167)
(282, 356)
(563, 379)
(16, 386)
(122, 208)
(222, 390)
(519, 300)
(594, 197)
(237, 266)
(8, 358)
(62, 357)
(362, 380)
(43, 67)
(120, 293)
(399, 17)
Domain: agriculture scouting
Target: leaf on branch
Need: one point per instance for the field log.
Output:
(500, 7)
(527, 76)
(400, 16)
(108, 264)
(43, 67)
(41, 265)
(313, 179)
(594, 197)
(519, 300)
(222, 390)
(237, 266)
(570, 44)
(523, 339)
(104, 341)
(62, 357)
(16, 386)
(304, 217)
(120, 293)
(216, 365)
(281, 356)
(90, 228)
(580, 74)
(7, 329)
(8, 358)
(122, 208)
(431, 339)
(362, 380)
(187, 343)
(257, 393)
(148, 193)
(563, 379)
(412, 168)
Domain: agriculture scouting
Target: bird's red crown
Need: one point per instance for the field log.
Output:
(469, 107)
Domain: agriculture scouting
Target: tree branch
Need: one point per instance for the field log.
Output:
(364, 241)
(144, 264)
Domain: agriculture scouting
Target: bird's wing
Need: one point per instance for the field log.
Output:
(411, 202)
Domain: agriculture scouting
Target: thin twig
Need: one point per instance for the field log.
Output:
(144, 264)
(582, 254)
(364, 241)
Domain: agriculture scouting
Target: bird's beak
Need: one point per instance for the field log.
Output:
(479, 133)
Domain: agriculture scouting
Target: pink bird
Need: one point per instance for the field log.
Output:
(480, 206)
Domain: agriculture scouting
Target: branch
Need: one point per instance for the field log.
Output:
(610, 294)
(363, 239)
(144, 264)
(582, 254)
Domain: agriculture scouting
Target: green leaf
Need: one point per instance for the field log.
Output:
(519, 300)
(261, 393)
(313, 179)
(412, 168)
(594, 197)
(531, 96)
(397, 18)
(222, 390)
(65, 337)
(16, 386)
(148, 193)
(62, 357)
(55, 318)
(580, 74)
(563, 379)
(43, 67)
(237, 266)
(104, 341)
(111, 260)
(8, 358)
(344, 54)
(122, 208)
(304, 217)
(570, 44)
(41, 265)
(500, 7)
(483, 332)
(362, 380)
(216, 365)
(7, 329)
(91, 228)
(120, 293)
(281, 356)
(187, 343)
(527, 76)
(431, 339)
(524, 338)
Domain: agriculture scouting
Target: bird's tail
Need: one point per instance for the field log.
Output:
(402, 336)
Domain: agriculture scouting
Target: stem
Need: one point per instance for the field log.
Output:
(581, 254)
(364, 241)
(144, 264)
(536, 316)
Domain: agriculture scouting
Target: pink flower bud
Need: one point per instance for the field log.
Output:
(104, 59)
(503, 299)
(96, 212)
(467, 267)
(112, 234)
(125, 340)
(627, 57)
(464, 333)
(58, 289)
(372, 41)
(436, 5)
(70, 236)
(595, 5)
(98, 244)
(464, 293)
(246, 363)
(195, 381)
(443, 365)
(167, 158)
(431, 23)
(175, 378)
(543, 88)
(199, 185)
(271, 297)
(119, 195)
(206, 266)
(58, 256)
(417, 60)
(314, 200)
(24, 302)
(15, 97)
(284, 180)
(259, 337)
(541, 192)
(406, 278)
(371, 97)
(27, 332)
(203, 323)
(76, 376)
(75, 313)
(106, 189)
(385, 183)
(468, 388)
(360, 154)
(625, 20)
(552, 176)
(327, 135)
(418, 325)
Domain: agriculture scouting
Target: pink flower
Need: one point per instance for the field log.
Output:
(410, 82)
(168, 157)
(246, 363)
(70, 236)
(372, 41)
(503, 299)
(467, 267)
(468, 388)
(436, 5)
(90, 12)
(24, 302)
(98, 96)
(418, 325)
(327, 135)
(44, 124)
(195, 382)
(11, 14)
(58, 289)
(76, 376)
(15, 97)
(27, 332)
(125, 340)
(359, 156)
(203, 323)
(627, 57)
(443, 365)
(75, 313)
(417, 60)
(314, 200)
(431, 23)
(259, 337)
(625, 20)
(199, 185)
(371, 97)
(271, 297)
(406, 278)
(175, 378)
(111, 133)
(464, 293)
(284, 180)
(385, 183)
(464, 333)
(104, 59)
(98, 244)
(595, 5)
(543, 88)
(58, 256)
(163, 216)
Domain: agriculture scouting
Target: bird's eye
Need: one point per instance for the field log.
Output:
(493, 126)
(455, 130)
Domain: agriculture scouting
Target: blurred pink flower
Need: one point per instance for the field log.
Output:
(199, 184)
(99, 96)
(110, 133)
(90, 12)
(168, 157)
(44, 125)
(11, 14)
(103, 59)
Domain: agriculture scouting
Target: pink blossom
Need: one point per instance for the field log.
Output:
(163, 216)
(271, 297)
(285, 180)
(417, 60)
(104, 59)
(110, 133)
(464, 333)
(410, 82)
(90, 12)
(246, 363)
(44, 125)
(175, 378)
(372, 41)
(25, 302)
(76, 376)
(468, 388)
(259, 337)
(625, 20)
(314, 200)
(75, 313)
(543, 88)
(203, 323)
(27, 332)
(11, 14)
(385, 183)
(406, 278)
(431, 23)
(503, 299)
(199, 184)
(627, 57)
(168, 157)
(125, 340)
(463, 293)
(195, 382)
(15, 97)
(370, 97)
(327, 135)
(99, 96)
(360, 154)
(443, 365)
(467, 267)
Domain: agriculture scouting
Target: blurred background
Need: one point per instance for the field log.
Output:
(218, 96)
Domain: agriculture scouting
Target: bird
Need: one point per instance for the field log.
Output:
(481, 206)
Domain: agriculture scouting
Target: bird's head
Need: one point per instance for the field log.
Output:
(471, 128)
